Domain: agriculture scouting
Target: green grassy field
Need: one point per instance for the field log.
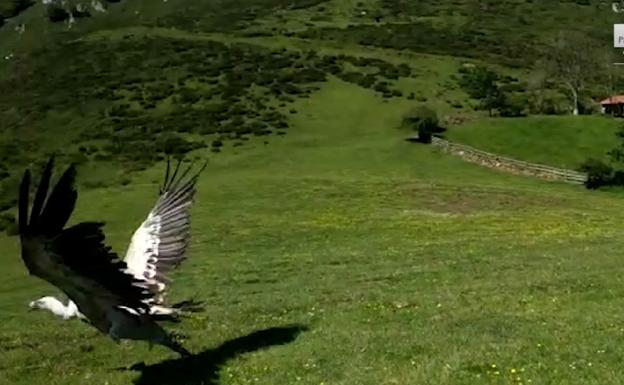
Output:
(407, 266)
(562, 141)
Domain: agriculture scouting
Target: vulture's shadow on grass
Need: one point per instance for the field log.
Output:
(203, 368)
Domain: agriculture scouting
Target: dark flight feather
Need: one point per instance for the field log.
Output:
(80, 248)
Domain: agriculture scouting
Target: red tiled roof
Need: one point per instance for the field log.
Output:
(615, 99)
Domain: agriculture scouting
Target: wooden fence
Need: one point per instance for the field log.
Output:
(510, 165)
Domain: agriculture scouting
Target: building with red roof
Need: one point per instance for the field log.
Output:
(613, 105)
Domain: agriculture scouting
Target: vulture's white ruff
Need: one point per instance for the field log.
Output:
(57, 308)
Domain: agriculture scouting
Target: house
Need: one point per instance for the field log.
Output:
(613, 105)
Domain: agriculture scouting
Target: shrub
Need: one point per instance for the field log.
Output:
(424, 120)
(513, 106)
(482, 84)
(598, 172)
(174, 144)
(189, 96)
(57, 14)
(382, 87)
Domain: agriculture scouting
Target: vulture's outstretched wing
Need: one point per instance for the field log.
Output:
(75, 259)
(159, 244)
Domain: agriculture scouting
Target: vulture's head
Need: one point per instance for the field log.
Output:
(43, 303)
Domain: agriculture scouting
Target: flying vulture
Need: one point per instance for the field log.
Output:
(124, 299)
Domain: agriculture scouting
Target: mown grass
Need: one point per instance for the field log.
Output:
(407, 265)
(562, 141)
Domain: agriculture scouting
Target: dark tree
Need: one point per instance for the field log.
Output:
(482, 84)
(571, 60)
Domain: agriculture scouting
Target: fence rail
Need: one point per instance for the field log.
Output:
(510, 165)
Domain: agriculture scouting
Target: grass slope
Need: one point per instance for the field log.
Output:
(562, 141)
(138, 92)
(407, 265)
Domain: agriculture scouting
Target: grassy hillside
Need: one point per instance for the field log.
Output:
(554, 140)
(407, 265)
(129, 95)
(509, 31)
(192, 75)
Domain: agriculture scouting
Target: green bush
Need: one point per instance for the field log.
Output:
(189, 96)
(424, 120)
(57, 14)
(599, 173)
(514, 106)
(481, 83)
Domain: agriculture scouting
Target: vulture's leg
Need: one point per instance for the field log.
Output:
(131, 327)
(174, 345)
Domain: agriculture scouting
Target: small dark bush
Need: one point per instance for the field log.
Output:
(598, 172)
(174, 144)
(513, 106)
(424, 120)
(57, 14)
(189, 96)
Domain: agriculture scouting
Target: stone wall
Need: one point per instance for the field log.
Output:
(509, 165)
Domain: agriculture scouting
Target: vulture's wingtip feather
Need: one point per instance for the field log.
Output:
(61, 203)
(42, 193)
(167, 171)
